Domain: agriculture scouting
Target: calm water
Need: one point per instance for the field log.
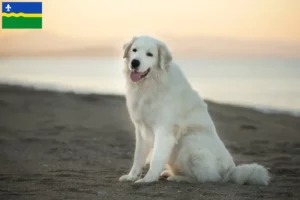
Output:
(273, 84)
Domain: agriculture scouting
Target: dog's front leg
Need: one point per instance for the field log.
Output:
(142, 148)
(164, 142)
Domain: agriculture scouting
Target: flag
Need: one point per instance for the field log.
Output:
(22, 15)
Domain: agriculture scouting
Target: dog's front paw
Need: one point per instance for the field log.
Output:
(142, 180)
(145, 180)
(128, 177)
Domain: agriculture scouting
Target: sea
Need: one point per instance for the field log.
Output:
(268, 85)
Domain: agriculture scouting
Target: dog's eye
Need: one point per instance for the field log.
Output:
(134, 50)
(149, 54)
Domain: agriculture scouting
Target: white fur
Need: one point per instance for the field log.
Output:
(173, 127)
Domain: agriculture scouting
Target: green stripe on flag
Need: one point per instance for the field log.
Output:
(22, 22)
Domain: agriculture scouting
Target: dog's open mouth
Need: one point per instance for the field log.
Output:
(136, 76)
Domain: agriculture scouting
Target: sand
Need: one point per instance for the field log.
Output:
(56, 145)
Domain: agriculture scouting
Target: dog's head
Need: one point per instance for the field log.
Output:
(144, 55)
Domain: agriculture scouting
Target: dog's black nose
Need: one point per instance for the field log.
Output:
(135, 64)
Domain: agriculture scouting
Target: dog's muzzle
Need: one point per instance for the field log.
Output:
(135, 76)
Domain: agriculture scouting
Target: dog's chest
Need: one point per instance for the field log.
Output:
(144, 109)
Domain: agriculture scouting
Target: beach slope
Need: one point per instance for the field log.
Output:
(56, 145)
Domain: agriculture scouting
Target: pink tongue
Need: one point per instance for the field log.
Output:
(135, 76)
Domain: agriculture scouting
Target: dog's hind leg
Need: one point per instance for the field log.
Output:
(167, 172)
(181, 179)
(203, 166)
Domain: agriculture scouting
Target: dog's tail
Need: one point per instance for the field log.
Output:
(252, 174)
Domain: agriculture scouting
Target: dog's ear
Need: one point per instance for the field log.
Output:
(127, 46)
(164, 55)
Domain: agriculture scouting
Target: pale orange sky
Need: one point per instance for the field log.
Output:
(106, 19)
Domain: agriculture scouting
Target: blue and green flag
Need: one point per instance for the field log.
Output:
(22, 15)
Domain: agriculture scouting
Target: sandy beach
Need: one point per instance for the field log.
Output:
(56, 145)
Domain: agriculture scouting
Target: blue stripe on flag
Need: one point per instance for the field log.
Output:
(24, 7)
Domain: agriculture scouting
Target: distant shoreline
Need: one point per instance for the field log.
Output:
(56, 88)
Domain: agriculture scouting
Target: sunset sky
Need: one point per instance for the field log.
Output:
(102, 19)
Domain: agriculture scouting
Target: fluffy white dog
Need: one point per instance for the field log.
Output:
(172, 124)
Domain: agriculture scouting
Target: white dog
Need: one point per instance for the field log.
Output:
(172, 123)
